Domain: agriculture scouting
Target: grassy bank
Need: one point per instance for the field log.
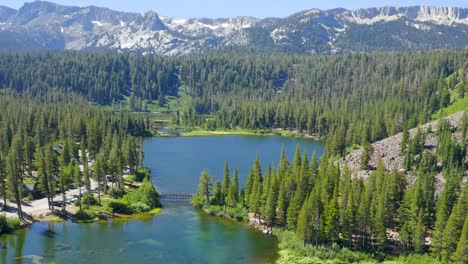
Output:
(8, 224)
(238, 213)
(292, 250)
(120, 203)
(116, 209)
(240, 132)
(457, 106)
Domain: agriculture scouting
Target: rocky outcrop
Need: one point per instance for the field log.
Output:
(437, 15)
(388, 150)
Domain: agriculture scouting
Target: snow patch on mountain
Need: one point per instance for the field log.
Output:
(438, 15)
(308, 31)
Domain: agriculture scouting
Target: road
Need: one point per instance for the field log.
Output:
(41, 206)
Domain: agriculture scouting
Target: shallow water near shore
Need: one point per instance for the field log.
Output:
(180, 234)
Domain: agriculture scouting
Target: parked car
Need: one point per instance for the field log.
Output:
(58, 203)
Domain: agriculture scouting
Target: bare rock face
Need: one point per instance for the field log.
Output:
(388, 150)
(308, 32)
(152, 22)
(437, 15)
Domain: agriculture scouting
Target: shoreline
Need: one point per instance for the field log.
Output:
(101, 216)
(240, 132)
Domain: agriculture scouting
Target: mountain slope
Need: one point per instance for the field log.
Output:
(48, 25)
(388, 150)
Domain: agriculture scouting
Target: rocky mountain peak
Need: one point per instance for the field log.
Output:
(153, 22)
(433, 14)
(6, 13)
(311, 31)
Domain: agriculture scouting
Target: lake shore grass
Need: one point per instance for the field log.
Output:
(239, 132)
(100, 213)
(292, 250)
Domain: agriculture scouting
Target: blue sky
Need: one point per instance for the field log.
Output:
(231, 8)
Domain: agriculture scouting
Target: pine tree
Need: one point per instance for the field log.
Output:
(305, 179)
(349, 220)
(331, 215)
(3, 176)
(256, 201)
(380, 220)
(52, 170)
(283, 166)
(314, 166)
(204, 187)
(218, 194)
(233, 193)
(42, 172)
(282, 205)
(100, 174)
(303, 230)
(271, 203)
(226, 181)
(293, 211)
(14, 176)
(366, 156)
(297, 162)
(249, 184)
(455, 222)
(443, 209)
(316, 223)
(404, 141)
(114, 161)
(419, 233)
(65, 157)
(130, 154)
(253, 196)
(363, 218)
(78, 179)
(84, 160)
(461, 254)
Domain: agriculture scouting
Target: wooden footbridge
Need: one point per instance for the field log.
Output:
(176, 196)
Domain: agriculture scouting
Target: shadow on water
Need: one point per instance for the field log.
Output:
(49, 233)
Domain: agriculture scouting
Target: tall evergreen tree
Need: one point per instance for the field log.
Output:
(271, 202)
(15, 173)
(226, 181)
(204, 187)
(233, 193)
(461, 254)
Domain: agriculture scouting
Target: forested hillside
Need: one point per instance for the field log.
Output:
(352, 99)
(101, 78)
(385, 213)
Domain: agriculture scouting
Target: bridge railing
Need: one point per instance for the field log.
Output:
(175, 196)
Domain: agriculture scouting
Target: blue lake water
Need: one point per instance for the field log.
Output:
(181, 234)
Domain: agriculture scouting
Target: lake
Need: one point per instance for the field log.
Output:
(181, 234)
(176, 163)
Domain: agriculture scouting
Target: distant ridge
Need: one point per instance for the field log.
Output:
(45, 25)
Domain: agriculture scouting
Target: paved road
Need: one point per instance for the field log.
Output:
(41, 206)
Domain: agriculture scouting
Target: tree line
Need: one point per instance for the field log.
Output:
(322, 203)
(351, 98)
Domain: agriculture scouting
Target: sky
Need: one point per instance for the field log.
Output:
(233, 8)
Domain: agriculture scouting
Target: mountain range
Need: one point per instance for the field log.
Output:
(45, 25)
